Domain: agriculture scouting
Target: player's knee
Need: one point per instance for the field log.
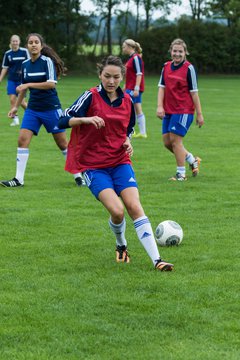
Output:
(117, 214)
(23, 141)
(61, 143)
(135, 210)
(167, 143)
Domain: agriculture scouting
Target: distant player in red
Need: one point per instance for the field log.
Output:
(134, 81)
(102, 121)
(177, 102)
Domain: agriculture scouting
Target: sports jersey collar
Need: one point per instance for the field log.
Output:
(116, 102)
(130, 56)
(175, 67)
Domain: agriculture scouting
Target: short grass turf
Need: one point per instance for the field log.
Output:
(63, 296)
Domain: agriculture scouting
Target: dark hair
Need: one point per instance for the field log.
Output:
(111, 60)
(37, 35)
(59, 64)
(49, 52)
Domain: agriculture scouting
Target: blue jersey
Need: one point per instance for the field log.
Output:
(41, 70)
(12, 61)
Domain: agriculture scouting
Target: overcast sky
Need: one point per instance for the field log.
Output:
(87, 6)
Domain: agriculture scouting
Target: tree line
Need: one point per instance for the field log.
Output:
(211, 30)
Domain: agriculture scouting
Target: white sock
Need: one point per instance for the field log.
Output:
(16, 119)
(181, 170)
(141, 123)
(190, 158)
(22, 159)
(77, 175)
(145, 234)
(64, 152)
(119, 231)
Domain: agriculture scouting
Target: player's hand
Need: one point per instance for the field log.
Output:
(97, 121)
(160, 112)
(200, 120)
(135, 93)
(12, 112)
(128, 146)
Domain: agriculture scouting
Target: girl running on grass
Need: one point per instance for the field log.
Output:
(177, 101)
(134, 79)
(12, 65)
(39, 76)
(102, 121)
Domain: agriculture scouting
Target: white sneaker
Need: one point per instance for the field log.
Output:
(15, 121)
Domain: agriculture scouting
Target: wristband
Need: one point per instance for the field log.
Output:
(136, 88)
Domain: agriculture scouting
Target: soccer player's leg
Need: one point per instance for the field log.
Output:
(127, 189)
(28, 129)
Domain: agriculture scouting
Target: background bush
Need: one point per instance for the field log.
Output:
(213, 47)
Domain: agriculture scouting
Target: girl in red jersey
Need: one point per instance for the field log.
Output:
(102, 121)
(177, 101)
(134, 85)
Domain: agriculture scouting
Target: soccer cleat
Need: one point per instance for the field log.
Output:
(78, 181)
(195, 166)
(163, 265)
(139, 136)
(178, 177)
(122, 254)
(11, 183)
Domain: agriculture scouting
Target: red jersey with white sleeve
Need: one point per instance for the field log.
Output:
(134, 67)
(178, 82)
(91, 148)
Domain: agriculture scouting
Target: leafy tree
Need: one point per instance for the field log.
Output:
(59, 21)
(225, 9)
(106, 9)
(198, 8)
(151, 5)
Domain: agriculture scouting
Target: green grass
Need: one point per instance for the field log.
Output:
(63, 296)
(88, 49)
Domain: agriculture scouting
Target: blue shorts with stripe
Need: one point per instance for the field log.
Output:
(135, 99)
(117, 178)
(178, 124)
(33, 120)
(11, 87)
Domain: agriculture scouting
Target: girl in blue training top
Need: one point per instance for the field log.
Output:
(12, 65)
(39, 75)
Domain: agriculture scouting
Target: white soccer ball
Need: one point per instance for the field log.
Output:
(169, 233)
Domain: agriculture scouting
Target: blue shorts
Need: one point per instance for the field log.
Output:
(33, 120)
(117, 178)
(135, 99)
(177, 123)
(11, 87)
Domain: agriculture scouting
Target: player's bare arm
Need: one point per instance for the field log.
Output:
(197, 104)
(160, 108)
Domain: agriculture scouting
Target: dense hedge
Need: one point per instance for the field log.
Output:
(213, 47)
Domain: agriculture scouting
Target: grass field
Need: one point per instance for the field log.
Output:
(63, 296)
